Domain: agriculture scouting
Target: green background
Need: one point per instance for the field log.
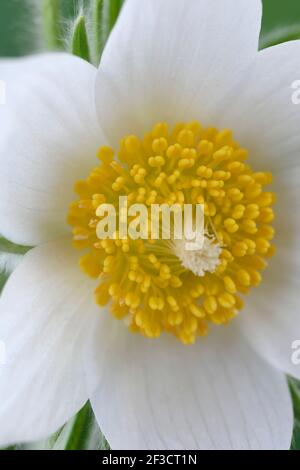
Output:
(20, 33)
(19, 28)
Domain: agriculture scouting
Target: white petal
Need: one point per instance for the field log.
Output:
(261, 111)
(172, 60)
(45, 311)
(49, 137)
(217, 394)
(271, 322)
(273, 327)
(266, 121)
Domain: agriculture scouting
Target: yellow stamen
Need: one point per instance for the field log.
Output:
(154, 286)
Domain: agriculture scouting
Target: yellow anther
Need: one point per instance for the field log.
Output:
(224, 138)
(212, 209)
(152, 258)
(249, 226)
(153, 303)
(173, 303)
(196, 183)
(205, 148)
(196, 292)
(243, 277)
(230, 285)
(253, 191)
(175, 318)
(267, 232)
(204, 172)
(236, 168)
(97, 200)
(189, 154)
(231, 225)
(159, 146)
(241, 154)
(185, 164)
(132, 144)
(118, 184)
(113, 290)
(90, 265)
(223, 154)
(175, 281)
(160, 130)
(255, 277)
(235, 194)
(266, 215)
(125, 247)
(239, 249)
(186, 138)
(262, 246)
(197, 311)
(222, 175)
(210, 305)
(195, 127)
(174, 151)
(132, 300)
(190, 325)
(106, 155)
(266, 199)
(156, 162)
(226, 300)
(252, 211)
(263, 178)
(148, 283)
(238, 212)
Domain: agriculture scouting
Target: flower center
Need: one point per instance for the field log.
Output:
(157, 285)
(204, 258)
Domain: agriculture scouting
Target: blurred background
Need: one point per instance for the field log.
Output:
(19, 28)
(20, 34)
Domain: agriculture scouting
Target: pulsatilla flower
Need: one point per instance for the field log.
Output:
(165, 342)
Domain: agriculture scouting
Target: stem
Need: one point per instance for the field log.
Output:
(51, 22)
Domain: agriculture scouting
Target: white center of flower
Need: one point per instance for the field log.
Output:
(203, 258)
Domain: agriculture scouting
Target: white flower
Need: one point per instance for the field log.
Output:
(166, 61)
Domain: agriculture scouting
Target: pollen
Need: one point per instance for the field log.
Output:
(157, 286)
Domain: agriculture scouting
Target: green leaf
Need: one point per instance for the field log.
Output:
(296, 436)
(8, 247)
(98, 28)
(3, 279)
(81, 433)
(80, 42)
(81, 430)
(51, 23)
(111, 11)
(9, 255)
(295, 392)
(114, 10)
(279, 35)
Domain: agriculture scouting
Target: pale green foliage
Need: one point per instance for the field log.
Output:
(51, 23)
(80, 42)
